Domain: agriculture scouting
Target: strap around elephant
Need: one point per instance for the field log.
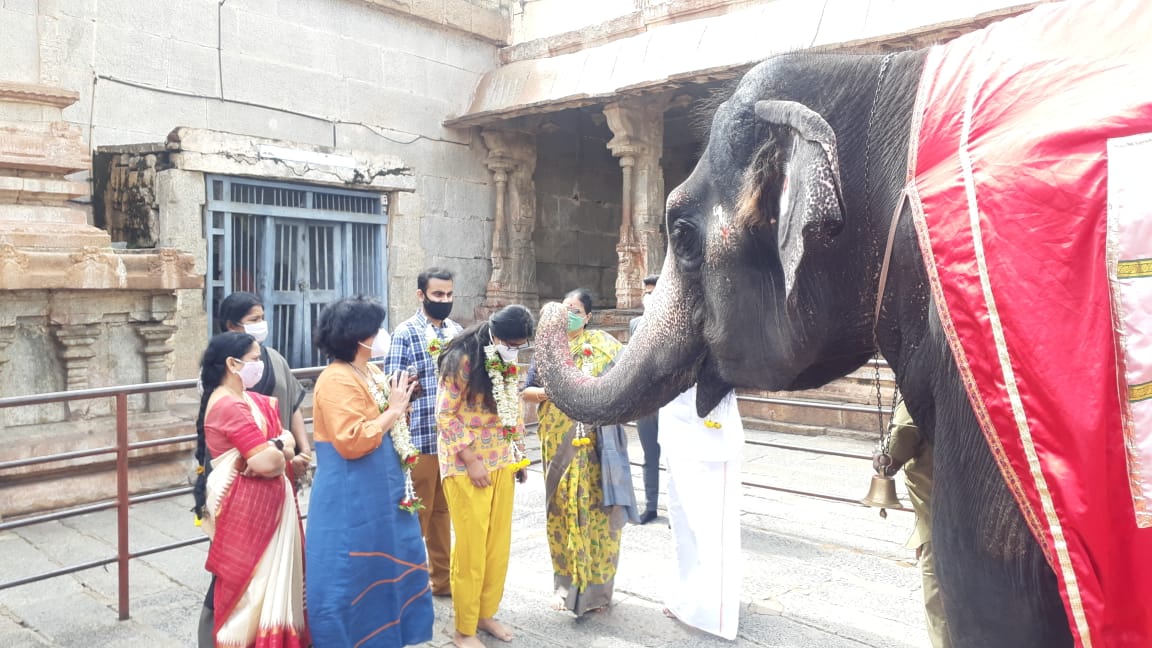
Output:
(895, 220)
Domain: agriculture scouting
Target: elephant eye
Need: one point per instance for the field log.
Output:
(686, 244)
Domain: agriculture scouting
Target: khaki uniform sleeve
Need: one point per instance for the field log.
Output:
(905, 442)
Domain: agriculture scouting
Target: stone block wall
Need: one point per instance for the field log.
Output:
(578, 189)
(378, 76)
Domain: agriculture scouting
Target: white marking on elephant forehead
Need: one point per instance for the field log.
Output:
(720, 215)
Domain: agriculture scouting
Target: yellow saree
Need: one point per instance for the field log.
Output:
(583, 544)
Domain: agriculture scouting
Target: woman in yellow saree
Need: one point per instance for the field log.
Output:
(583, 524)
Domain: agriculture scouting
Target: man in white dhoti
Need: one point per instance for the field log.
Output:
(703, 456)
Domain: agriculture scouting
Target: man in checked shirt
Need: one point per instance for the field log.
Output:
(415, 343)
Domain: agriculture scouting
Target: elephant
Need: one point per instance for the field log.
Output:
(792, 259)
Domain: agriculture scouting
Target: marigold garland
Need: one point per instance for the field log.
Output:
(506, 392)
(401, 442)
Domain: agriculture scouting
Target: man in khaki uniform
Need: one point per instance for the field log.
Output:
(914, 454)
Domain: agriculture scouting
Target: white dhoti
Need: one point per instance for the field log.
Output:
(704, 508)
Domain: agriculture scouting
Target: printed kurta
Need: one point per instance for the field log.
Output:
(468, 422)
(584, 546)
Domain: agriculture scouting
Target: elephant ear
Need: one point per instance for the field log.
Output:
(811, 199)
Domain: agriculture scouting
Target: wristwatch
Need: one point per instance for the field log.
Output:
(279, 443)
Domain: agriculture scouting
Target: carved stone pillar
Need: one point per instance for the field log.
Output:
(77, 340)
(156, 351)
(512, 161)
(638, 140)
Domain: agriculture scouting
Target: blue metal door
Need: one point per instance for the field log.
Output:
(299, 248)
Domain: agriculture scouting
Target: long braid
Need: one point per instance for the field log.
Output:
(203, 461)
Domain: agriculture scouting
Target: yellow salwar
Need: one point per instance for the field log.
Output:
(482, 518)
(584, 546)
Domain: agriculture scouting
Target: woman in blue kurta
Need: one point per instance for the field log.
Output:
(367, 572)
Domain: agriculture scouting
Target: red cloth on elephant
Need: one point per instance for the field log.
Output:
(1009, 139)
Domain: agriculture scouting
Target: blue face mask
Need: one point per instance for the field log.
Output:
(575, 322)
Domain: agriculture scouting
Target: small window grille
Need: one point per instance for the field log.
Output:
(297, 247)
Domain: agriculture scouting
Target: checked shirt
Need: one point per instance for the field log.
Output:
(410, 348)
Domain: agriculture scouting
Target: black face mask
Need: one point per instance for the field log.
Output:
(437, 310)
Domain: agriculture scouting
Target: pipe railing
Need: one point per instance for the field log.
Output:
(123, 447)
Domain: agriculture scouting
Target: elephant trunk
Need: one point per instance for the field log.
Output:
(661, 361)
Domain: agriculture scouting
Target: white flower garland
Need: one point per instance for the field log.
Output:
(401, 442)
(506, 392)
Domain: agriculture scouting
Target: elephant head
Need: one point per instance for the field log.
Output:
(769, 280)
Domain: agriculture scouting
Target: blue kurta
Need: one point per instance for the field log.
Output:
(365, 564)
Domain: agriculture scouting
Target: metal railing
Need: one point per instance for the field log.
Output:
(123, 447)
(121, 450)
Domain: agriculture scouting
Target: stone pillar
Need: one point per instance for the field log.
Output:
(638, 140)
(77, 340)
(156, 349)
(512, 161)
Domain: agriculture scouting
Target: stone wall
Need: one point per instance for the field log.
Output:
(578, 189)
(367, 76)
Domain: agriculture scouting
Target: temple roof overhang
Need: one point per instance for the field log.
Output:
(665, 55)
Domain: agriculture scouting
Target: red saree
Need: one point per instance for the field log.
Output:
(256, 552)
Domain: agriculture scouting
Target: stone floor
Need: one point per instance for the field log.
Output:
(817, 574)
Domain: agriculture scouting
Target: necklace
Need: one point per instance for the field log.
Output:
(506, 392)
(401, 435)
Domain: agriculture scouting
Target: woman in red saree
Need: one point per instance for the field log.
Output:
(246, 503)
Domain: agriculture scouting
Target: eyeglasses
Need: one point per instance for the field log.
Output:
(519, 347)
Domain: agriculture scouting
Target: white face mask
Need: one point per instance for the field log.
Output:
(380, 344)
(507, 355)
(251, 373)
(259, 330)
(645, 299)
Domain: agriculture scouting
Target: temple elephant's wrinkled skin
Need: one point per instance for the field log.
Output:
(775, 248)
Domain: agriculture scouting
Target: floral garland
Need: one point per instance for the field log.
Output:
(401, 442)
(584, 356)
(435, 345)
(506, 391)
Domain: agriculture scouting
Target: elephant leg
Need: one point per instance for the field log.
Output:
(997, 588)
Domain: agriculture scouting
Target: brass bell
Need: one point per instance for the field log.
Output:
(882, 495)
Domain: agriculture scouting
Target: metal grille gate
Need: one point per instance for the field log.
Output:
(298, 247)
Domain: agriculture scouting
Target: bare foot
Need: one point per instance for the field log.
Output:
(559, 604)
(466, 641)
(494, 628)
